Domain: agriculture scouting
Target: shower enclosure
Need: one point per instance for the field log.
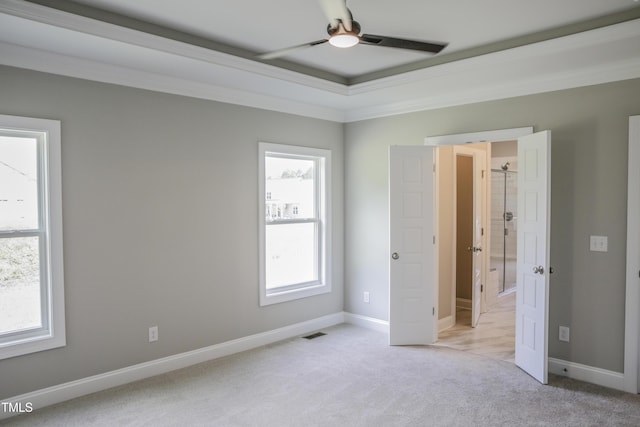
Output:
(504, 194)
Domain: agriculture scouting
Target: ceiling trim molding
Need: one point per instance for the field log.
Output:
(48, 62)
(503, 89)
(108, 31)
(596, 56)
(610, 34)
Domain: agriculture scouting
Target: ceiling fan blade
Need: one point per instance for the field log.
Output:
(336, 11)
(401, 43)
(282, 52)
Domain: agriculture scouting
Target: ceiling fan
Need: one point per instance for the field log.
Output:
(344, 32)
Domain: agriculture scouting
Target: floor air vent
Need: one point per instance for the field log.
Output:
(316, 335)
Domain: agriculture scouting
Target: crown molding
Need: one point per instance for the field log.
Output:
(597, 56)
(104, 30)
(33, 37)
(33, 59)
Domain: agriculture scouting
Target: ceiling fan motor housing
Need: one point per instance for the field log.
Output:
(355, 29)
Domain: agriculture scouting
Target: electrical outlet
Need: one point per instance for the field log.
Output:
(563, 334)
(153, 334)
(598, 243)
(366, 297)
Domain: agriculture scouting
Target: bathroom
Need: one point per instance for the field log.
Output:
(504, 215)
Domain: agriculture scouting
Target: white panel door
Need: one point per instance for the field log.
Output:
(479, 196)
(412, 261)
(532, 306)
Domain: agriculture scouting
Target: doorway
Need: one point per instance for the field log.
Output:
(493, 334)
(464, 234)
(413, 271)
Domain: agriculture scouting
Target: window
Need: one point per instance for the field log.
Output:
(295, 226)
(31, 277)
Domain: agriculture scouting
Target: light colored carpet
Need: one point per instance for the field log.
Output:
(350, 377)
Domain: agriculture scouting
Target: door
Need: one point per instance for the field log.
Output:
(479, 196)
(532, 312)
(412, 258)
(473, 231)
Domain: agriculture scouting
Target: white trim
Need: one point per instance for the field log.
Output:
(52, 334)
(592, 57)
(632, 298)
(475, 137)
(367, 322)
(586, 373)
(35, 59)
(445, 323)
(95, 383)
(463, 303)
(557, 46)
(474, 151)
(112, 32)
(323, 218)
(464, 138)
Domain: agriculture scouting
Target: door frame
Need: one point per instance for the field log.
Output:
(469, 138)
(463, 150)
(632, 297)
(631, 374)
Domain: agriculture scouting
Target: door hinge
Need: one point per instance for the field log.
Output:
(433, 311)
(482, 175)
(482, 231)
(481, 288)
(434, 168)
(434, 240)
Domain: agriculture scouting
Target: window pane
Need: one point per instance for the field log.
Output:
(289, 188)
(18, 183)
(291, 256)
(19, 284)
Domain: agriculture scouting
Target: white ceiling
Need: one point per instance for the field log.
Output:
(263, 26)
(487, 57)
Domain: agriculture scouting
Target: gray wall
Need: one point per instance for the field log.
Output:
(160, 205)
(589, 187)
(160, 216)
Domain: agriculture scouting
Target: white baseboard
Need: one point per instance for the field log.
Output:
(586, 373)
(62, 392)
(445, 323)
(463, 303)
(367, 322)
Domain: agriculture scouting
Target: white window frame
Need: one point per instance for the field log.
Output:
(323, 203)
(52, 333)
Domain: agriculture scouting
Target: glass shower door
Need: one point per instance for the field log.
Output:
(504, 192)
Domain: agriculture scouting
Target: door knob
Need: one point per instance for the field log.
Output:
(538, 270)
(395, 255)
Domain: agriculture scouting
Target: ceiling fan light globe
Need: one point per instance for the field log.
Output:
(344, 40)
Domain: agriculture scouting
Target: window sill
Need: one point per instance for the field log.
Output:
(275, 297)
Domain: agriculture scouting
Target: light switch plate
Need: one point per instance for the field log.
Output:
(598, 243)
